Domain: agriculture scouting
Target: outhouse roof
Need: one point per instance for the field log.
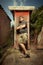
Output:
(21, 7)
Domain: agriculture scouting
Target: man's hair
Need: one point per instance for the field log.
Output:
(20, 17)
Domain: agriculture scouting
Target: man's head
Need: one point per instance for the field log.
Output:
(21, 18)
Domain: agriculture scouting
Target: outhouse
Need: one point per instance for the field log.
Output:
(24, 11)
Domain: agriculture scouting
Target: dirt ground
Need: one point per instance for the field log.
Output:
(15, 57)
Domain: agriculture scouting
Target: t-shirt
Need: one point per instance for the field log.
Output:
(23, 30)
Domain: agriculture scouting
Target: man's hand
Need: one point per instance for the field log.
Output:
(21, 26)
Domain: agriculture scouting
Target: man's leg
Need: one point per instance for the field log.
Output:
(25, 51)
(23, 48)
(20, 41)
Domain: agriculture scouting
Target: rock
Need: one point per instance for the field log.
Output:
(40, 39)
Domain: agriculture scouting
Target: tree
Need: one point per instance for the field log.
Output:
(36, 21)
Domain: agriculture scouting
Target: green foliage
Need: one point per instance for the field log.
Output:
(37, 20)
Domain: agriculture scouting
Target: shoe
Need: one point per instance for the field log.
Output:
(27, 56)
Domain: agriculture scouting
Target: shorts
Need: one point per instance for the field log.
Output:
(22, 38)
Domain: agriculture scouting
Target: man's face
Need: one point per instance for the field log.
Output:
(21, 18)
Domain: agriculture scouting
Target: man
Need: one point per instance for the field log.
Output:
(22, 35)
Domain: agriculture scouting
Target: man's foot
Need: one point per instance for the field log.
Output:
(27, 56)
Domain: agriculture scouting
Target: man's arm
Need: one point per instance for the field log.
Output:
(20, 27)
